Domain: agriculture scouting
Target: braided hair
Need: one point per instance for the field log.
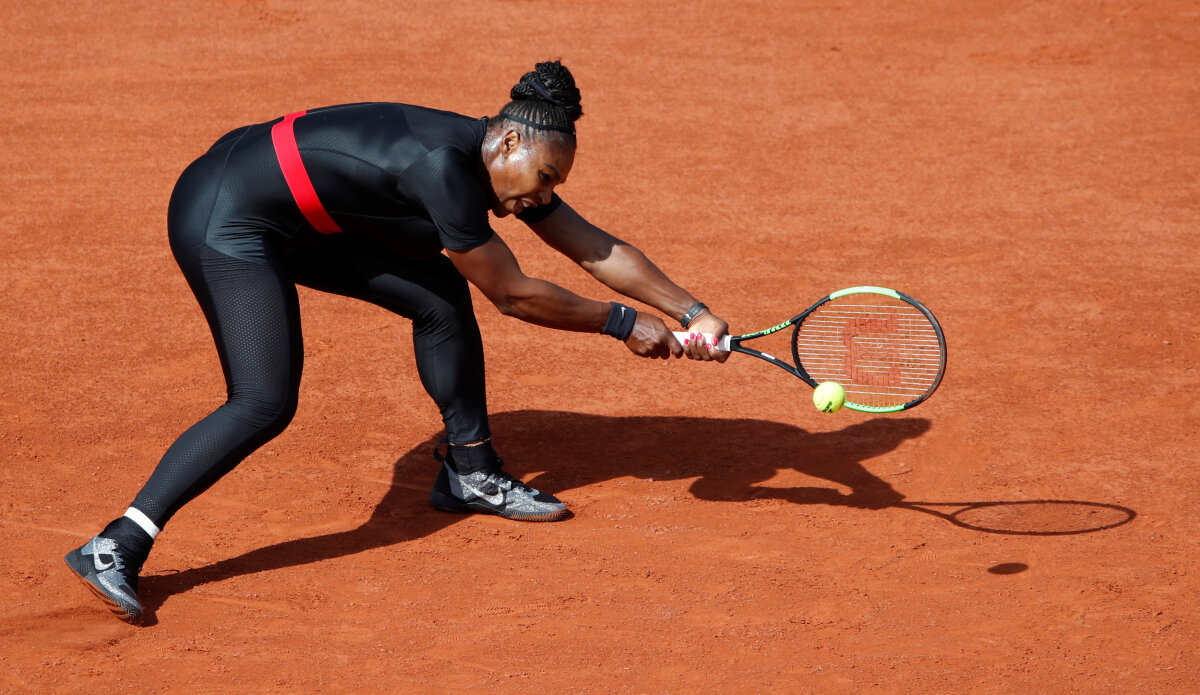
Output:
(545, 104)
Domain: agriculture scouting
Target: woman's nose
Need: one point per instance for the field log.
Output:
(544, 197)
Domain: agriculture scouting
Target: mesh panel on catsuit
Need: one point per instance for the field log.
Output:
(254, 315)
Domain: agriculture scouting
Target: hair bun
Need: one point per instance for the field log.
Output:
(550, 82)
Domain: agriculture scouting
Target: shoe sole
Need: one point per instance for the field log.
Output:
(444, 503)
(116, 608)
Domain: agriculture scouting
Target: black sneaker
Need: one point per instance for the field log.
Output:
(109, 565)
(489, 489)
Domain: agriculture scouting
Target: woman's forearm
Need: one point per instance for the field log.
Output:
(628, 271)
(613, 262)
(494, 270)
(546, 304)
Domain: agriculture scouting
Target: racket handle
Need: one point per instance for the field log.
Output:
(682, 336)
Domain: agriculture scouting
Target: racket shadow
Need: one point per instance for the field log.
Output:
(1028, 517)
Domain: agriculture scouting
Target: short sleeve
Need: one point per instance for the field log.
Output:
(443, 184)
(541, 212)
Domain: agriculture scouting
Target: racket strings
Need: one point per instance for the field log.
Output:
(883, 351)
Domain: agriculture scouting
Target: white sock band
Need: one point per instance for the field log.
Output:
(142, 520)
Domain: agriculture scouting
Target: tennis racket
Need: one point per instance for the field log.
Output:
(884, 347)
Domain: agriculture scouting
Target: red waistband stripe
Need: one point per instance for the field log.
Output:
(283, 136)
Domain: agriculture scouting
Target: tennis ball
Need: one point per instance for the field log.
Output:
(829, 397)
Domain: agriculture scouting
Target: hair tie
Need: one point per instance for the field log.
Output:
(540, 88)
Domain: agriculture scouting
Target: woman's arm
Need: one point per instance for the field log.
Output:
(613, 262)
(627, 270)
(494, 270)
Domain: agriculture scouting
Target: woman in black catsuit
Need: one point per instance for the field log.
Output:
(361, 200)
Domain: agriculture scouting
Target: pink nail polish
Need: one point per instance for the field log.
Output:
(686, 341)
(709, 345)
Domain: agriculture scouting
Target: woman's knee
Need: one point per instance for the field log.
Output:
(266, 412)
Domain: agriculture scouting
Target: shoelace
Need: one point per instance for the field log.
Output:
(501, 479)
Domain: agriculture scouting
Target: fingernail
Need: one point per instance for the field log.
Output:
(709, 345)
(686, 341)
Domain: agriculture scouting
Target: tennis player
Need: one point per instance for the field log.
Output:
(361, 200)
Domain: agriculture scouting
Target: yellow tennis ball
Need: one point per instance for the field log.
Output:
(829, 397)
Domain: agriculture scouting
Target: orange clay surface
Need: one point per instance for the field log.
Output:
(1028, 169)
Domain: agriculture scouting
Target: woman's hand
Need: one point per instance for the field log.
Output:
(651, 338)
(699, 348)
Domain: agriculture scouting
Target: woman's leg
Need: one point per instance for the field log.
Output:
(254, 315)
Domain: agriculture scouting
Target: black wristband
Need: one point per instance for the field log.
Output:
(620, 321)
(692, 314)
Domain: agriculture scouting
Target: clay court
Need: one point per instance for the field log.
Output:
(1027, 169)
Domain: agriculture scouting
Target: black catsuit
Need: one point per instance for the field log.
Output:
(402, 183)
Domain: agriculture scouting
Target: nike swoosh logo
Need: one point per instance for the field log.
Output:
(496, 499)
(100, 567)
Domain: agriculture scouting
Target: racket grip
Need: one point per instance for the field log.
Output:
(682, 336)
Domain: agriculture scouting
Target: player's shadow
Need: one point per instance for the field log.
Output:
(727, 458)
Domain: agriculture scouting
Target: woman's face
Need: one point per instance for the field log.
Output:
(524, 171)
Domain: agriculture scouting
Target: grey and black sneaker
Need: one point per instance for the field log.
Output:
(109, 565)
(487, 488)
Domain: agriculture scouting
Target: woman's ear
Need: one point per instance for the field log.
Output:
(511, 142)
